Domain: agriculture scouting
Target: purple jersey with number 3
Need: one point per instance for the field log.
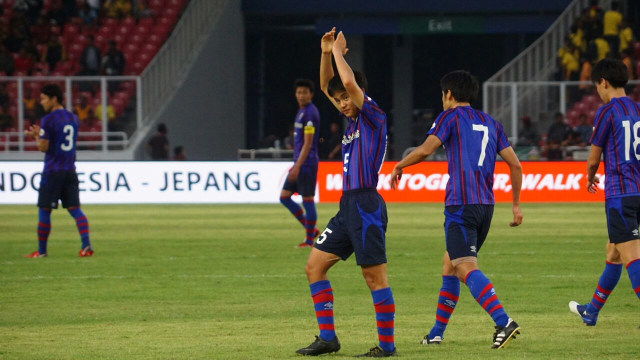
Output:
(471, 139)
(60, 127)
(617, 132)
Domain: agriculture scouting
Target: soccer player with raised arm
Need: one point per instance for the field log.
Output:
(56, 136)
(361, 222)
(616, 135)
(302, 176)
(471, 139)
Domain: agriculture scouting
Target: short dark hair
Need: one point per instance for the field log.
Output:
(162, 128)
(463, 85)
(53, 90)
(305, 83)
(335, 84)
(612, 70)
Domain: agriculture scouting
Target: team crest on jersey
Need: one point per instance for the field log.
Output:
(348, 139)
(41, 131)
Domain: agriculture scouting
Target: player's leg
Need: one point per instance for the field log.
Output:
(623, 231)
(48, 195)
(43, 231)
(447, 300)
(307, 188)
(630, 254)
(294, 209)
(70, 197)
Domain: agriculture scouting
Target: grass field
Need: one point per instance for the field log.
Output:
(225, 282)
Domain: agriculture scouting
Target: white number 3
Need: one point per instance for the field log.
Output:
(67, 129)
(323, 236)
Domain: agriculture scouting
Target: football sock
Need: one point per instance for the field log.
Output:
(44, 228)
(294, 208)
(633, 269)
(385, 314)
(311, 218)
(606, 284)
(82, 223)
(322, 296)
(449, 294)
(485, 295)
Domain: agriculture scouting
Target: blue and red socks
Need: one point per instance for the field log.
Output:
(633, 269)
(294, 208)
(482, 290)
(606, 284)
(449, 294)
(82, 224)
(311, 217)
(322, 296)
(44, 229)
(385, 314)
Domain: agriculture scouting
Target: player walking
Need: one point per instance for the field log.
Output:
(56, 136)
(360, 224)
(302, 176)
(471, 139)
(616, 135)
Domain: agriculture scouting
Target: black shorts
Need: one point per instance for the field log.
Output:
(465, 228)
(623, 216)
(306, 183)
(58, 185)
(359, 226)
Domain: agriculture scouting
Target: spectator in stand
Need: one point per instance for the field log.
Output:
(594, 19)
(288, 140)
(178, 154)
(602, 47)
(111, 114)
(117, 8)
(577, 36)
(70, 8)
(528, 134)
(88, 14)
(57, 14)
(32, 50)
(23, 63)
(585, 76)
(29, 106)
(626, 35)
(83, 110)
(6, 61)
(335, 142)
(14, 40)
(5, 99)
(570, 64)
(41, 31)
(29, 8)
(113, 61)
(583, 131)
(90, 57)
(611, 23)
(158, 145)
(625, 56)
(54, 52)
(557, 137)
(141, 9)
(6, 121)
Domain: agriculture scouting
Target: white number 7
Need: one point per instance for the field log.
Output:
(485, 140)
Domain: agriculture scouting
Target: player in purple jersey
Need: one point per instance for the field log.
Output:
(302, 176)
(360, 224)
(616, 137)
(56, 136)
(471, 139)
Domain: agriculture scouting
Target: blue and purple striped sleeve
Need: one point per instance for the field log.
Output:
(601, 127)
(442, 125)
(501, 137)
(372, 115)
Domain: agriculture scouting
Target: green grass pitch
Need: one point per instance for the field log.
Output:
(225, 282)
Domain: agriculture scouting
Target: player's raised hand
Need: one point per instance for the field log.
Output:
(396, 175)
(592, 184)
(33, 132)
(340, 44)
(517, 216)
(327, 41)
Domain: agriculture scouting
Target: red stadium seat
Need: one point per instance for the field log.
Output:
(155, 39)
(142, 30)
(105, 31)
(130, 48)
(146, 22)
(136, 39)
(636, 50)
(110, 22)
(128, 22)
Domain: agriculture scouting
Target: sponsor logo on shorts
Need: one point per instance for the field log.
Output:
(473, 249)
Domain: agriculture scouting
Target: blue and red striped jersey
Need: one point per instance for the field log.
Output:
(364, 144)
(617, 132)
(471, 139)
(60, 127)
(307, 122)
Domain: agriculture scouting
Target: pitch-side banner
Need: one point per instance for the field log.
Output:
(426, 182)
(154, 182)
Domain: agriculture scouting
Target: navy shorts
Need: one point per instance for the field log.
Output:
(306, 183)
(359, 226)
(465, 229)
(623, 216)
(58, 185)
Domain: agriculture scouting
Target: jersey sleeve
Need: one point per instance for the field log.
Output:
(601, 128)
(501, 138)
(311, 121)
(45, 131)
(441, 127)
(372, 115)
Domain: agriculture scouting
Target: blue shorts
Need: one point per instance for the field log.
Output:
(623, 216)
(58, 185)
(359, 226)
(465, 229)
(306, 183)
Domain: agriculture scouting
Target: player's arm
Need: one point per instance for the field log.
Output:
(593, 162)
(309, 132)
(418, 154)
(34, 132)
(326, 68)
(510, 157)
(344, 70)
